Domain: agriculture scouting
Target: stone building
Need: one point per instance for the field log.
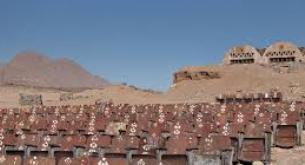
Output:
(244, 54)
(279, 52)
(283, 52)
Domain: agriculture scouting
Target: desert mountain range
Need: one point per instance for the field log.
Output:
(34, 69)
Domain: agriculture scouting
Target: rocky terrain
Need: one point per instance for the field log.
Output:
(243, 78)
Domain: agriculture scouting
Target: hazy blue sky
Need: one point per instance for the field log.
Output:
(143, 42)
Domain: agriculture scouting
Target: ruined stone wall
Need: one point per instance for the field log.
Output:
(30, 100)
(195, 75)
(66, 96)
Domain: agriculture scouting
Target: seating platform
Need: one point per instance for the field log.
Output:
(149, 134)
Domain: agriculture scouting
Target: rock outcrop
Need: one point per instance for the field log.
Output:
(195, 74)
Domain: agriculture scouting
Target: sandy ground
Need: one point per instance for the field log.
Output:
(294, 156)
(9, 96)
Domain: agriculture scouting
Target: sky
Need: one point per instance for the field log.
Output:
(143, 42)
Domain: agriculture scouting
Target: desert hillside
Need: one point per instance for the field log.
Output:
(36, 70)
(232, 79)
(246, 78)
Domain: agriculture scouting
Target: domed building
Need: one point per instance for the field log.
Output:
(244, 54)
(283, 52)
(279, 52)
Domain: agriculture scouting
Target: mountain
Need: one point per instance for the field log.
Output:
(35, 69)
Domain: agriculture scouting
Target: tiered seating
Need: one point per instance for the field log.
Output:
(148, 134)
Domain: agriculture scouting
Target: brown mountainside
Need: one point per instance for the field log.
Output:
(34, 69)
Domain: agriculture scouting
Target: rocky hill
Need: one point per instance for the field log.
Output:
(287, 78)
(34, 69)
